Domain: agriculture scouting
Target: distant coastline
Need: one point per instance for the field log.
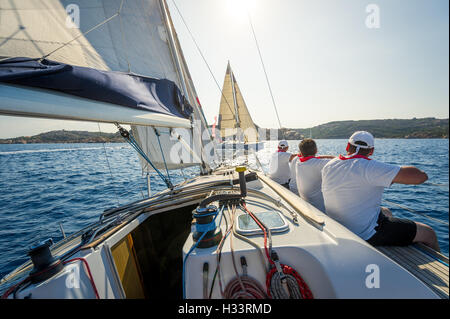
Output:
(429, 127)
(390, 128)
(63, 136)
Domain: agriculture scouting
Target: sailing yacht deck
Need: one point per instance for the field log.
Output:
(427, 265)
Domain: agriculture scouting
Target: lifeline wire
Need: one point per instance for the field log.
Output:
(416, 212)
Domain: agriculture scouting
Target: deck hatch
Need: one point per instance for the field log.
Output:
(273, 220)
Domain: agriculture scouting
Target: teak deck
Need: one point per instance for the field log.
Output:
(426, 264)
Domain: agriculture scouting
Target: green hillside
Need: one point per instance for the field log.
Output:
(392, 128)
(63, 136)
(395, 128)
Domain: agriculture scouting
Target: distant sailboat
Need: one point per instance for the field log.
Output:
(237, 128)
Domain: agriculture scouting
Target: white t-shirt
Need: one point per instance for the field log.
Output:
(293, 181)
(352, 191)
(309, 181)
(279, 167)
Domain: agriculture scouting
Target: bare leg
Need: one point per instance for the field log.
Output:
(426, 235)
(386, 211)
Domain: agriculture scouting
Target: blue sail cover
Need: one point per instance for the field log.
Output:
(129, 90)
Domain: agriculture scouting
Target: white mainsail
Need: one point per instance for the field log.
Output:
(193, 150)
(130, 36)
(234, 118)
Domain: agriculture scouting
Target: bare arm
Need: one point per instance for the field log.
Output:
(410, 175)
(292, 157)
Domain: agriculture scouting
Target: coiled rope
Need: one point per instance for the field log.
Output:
(294, 287)
(244, 287)
(282, 281)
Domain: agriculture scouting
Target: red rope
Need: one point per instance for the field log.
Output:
(304, 289)
(89, 273)
(11, 289)
(263, 229)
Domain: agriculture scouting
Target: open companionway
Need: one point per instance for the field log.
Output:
(149, 261)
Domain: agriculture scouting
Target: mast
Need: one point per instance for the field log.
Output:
(173, 47)
(181, 74)
(236, 112)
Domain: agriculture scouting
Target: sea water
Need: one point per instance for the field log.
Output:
(45, 185)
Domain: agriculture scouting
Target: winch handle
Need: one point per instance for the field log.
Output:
(242, 183)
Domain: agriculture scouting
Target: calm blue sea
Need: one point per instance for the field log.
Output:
(43, 185)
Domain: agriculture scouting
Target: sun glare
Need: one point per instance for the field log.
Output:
(237, 9)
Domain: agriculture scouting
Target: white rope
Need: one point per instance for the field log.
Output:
(278, 289)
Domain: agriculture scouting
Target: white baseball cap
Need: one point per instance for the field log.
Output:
(362, 136)
(283, 143)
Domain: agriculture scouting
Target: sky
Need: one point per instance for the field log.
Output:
(326, 60)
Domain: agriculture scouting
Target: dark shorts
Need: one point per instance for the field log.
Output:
(392, 231)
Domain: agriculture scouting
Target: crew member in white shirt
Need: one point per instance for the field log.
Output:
(352, 188)
(293, 182)
(279, 169)
(309, 173)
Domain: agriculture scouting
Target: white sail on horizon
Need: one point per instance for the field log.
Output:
(234, 117)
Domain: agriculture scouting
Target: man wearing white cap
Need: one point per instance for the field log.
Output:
(352, 188)
(279, 169)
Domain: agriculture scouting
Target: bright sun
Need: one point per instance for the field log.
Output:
(239, 8)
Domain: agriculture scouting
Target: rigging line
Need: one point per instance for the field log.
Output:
(84, 33)
(162, 153)
(109, 166)
(182, 173)
(140, 187)
(201, 54)
(133, 143)
(128, 136)
(264, 68)
(416, 212)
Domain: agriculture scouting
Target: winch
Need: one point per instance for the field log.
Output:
(45, 265)
(205, 221)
